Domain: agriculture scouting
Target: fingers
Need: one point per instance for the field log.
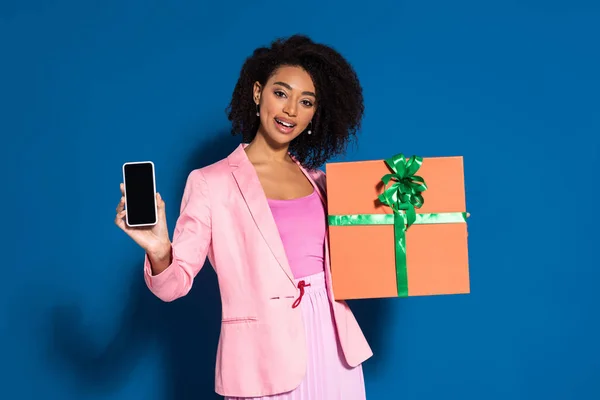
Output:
(121, 205)
(122, 186)
(121, 212)
(160, 205)
(120, 219)
(159, 201)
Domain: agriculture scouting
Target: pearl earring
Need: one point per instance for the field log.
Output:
(309, 129)
(257, 112)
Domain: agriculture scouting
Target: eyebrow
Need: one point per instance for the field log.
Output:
(290, 88)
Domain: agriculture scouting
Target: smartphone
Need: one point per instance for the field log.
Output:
(140, 193)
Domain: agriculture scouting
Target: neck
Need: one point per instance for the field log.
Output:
(263, 150)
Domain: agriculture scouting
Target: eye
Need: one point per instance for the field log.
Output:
(307, 103)
(279, 93)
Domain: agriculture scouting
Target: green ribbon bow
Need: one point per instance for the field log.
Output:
(405, 193)
(403, 196)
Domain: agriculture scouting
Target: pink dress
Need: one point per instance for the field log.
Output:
(302, 227)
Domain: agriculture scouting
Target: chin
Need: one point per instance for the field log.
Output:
(282, 136)
(280, 139)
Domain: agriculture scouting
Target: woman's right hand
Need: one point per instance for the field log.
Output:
(153, 239)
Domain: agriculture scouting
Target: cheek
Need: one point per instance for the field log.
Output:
(271, 106)
(307, 117)
(267, 112)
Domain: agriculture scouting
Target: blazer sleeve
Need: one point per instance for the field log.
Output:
(321, 181)
(190, 244)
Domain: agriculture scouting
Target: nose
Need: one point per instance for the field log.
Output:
(290, 108)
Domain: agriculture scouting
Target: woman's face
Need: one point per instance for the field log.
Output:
(286, 104)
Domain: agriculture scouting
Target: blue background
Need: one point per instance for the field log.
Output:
(512, 86)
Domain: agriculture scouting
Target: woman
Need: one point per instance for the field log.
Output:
(259, 216)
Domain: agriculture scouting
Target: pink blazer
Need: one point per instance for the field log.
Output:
(225, 217)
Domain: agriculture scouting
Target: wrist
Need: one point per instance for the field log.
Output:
(161, 252)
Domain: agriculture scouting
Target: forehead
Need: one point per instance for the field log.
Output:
(296, 77)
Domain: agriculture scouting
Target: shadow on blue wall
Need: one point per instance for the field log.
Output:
(186, 330)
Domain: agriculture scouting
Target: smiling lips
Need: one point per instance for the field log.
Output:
(284, 125)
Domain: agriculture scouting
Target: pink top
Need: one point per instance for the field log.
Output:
(301, 225)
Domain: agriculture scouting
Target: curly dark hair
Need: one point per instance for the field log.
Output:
(339, 102)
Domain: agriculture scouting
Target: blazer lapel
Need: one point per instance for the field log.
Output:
(247, 180)
(308, 175)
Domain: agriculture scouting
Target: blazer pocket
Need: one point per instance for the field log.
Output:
(238, 320)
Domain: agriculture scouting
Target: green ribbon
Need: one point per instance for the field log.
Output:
(405, 193)
(403, 196)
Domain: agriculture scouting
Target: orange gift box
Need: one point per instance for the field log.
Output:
(397, 227)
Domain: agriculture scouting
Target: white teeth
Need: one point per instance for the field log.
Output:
(284, 123)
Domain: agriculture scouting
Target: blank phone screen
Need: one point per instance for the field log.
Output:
(139, 193)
